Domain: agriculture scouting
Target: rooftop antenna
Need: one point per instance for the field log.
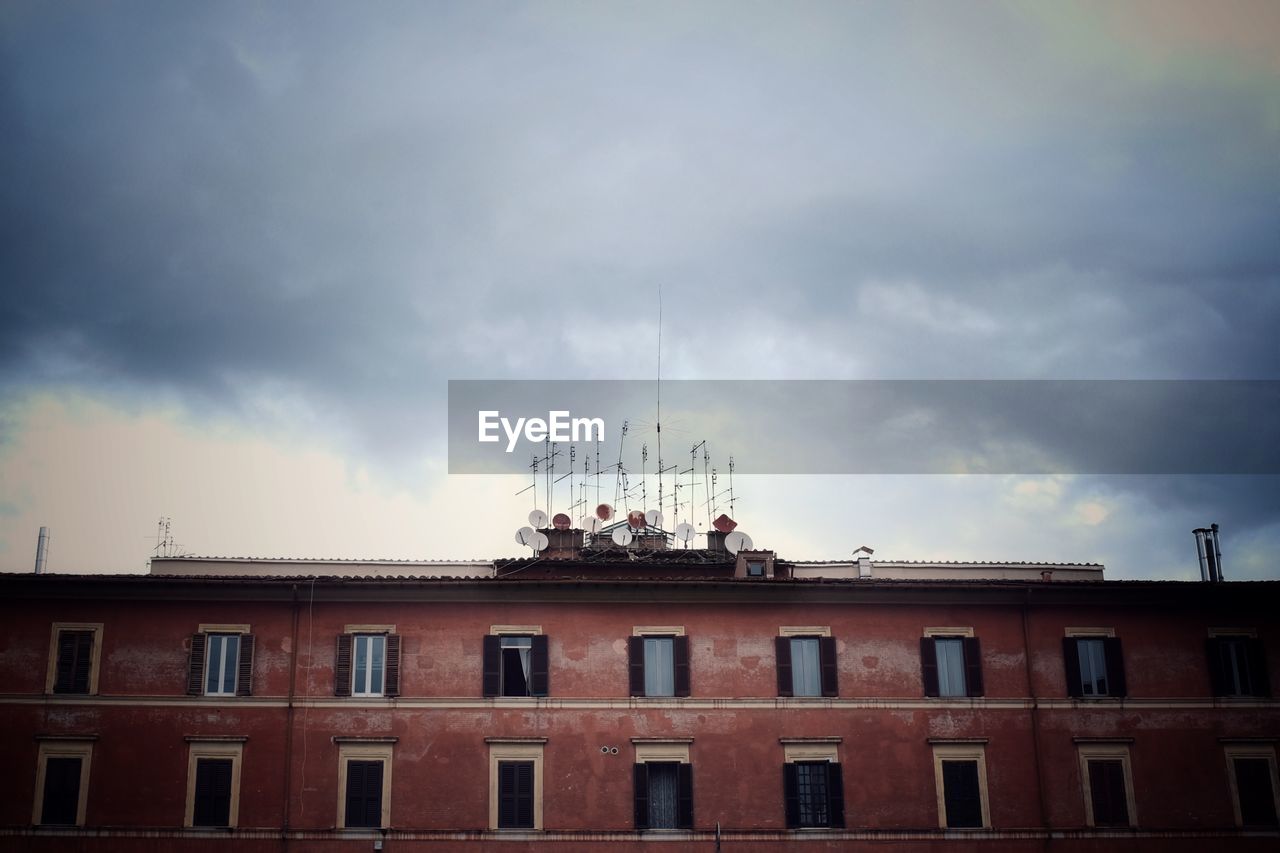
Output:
(658, 398)
(621, 475)
(731, 513)
(644, 476)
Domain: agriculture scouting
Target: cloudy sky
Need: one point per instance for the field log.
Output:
(244, 246)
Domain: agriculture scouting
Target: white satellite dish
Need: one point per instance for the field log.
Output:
(540, 541)
(621, 537)
(591, 524)
(684, 531)
(538, 518)
(525, 535)
(654, 518)
(736, 541)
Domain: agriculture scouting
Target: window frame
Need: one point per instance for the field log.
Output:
(663, 751)
(63, 747)
(515, 749)
(815, 751)
(1106, 750)
(95, 656)
(1248, 750)
(1113, 660)
(971, 669)
(828, 661)
(344, 671)
(208, 663)
(214, 748)
(961, 750)
(365, 749)
(493, 668)
(681, 667)
(1254, 660)
(362, 691)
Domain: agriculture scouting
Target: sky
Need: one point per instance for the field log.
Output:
(244, 246)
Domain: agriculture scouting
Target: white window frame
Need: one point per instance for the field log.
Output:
(365, 749)
(1106, 751)
(515, 749)
(1246, 749)
(215, 749)
(961, 750)
(81, 748)
(208, 662)
(362, 690)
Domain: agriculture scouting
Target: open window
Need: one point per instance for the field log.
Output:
(515, 661)
(663, 784)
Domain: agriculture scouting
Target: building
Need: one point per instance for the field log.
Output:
(618, 698)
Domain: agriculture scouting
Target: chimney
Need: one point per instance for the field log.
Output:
(1210, 553)
(863, 555)
(42, 550)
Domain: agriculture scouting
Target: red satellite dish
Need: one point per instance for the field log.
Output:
(635, 519)
(604, 512)
(724, 524)
(561, 521)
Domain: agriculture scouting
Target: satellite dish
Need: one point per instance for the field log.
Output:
(540, 541)
(538, 518)
(635, 519)
(591, 524)
(621, 537)
(654, 518)
(561, 521)
(724, 524)
(604, 512)
(735, 542)
(684, 531)
(525, 535)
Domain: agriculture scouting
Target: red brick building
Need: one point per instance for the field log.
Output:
(683, 699)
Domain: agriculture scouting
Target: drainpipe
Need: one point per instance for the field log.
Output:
(288, 733)
(1035, 718)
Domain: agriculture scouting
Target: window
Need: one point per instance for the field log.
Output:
(1237, 666)
(812, 783)
(367, 662)
(960, 774)
(213, 782)
(1108, 783)
(1094, 665)
(221, 661)
(663, 779)
(515, 783)
(755, 568)
(1255, 786)
(364, 782)
(62, 782)
(74, 652)
(659, 662)
(806, 662)
(515, 662)
(951, 662)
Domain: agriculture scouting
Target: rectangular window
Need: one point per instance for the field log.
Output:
(814, 794)
(515, 794)
(515, 665)
(73, 658)
(1108, 783)
(222, 661)
(364, 794)
(659, 665)
(952, 665)
(212, 806)
(960, 773)
(663, 795)
(364, 782)
(367, 663)
(515, 783)
(755, 568)
(370, 652)
(62, 782)
(1238, 666)
(1255, 787)
(1094, 667)
(806, 664)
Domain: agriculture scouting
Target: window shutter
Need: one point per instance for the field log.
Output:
(1217, 677)
(1106, 784)
(62, 682)
(506, 794)
(244, 666)
(1071, 661)
(195, 664)
(491, 672)
(1116, 685)
(635, 668)
(392, 685)
(680, 656)
(783, 646)
(791, 794)
(830, 672)
(1258, 673)
(212, 803)
(342, 667)
(539, 676)
(84, 662)
(684, 796)
(929, 666)
(61, 791)
(1253, 787)
(972, 666)
(373, 793)
(835, 795)
(641, 775)
(962, 794)
(524, 794)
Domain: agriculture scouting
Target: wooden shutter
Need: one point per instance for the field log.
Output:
(830, 672)
(835, 795)
(635, 669)
(1107, 791)
(1259, 676)
(392, 685)
(791, 794)
(539, 666)
(1215, 649)
(61, 803)
(782, 645)
(244, 666)
(65, 665)
(972, 667)
(195, 664)
(680, 656)
(491, 666)
(1116, 684)
(641, 776)
(364, 794)
(929, 666)
(524, 794)
(1071, 661)
(84, 662)
(507, 806)
(212, 802)
(342, 666)
(962, 793)
(684, 795)
(1253, 787)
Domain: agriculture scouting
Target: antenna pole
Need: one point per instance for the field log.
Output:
(658, 398)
